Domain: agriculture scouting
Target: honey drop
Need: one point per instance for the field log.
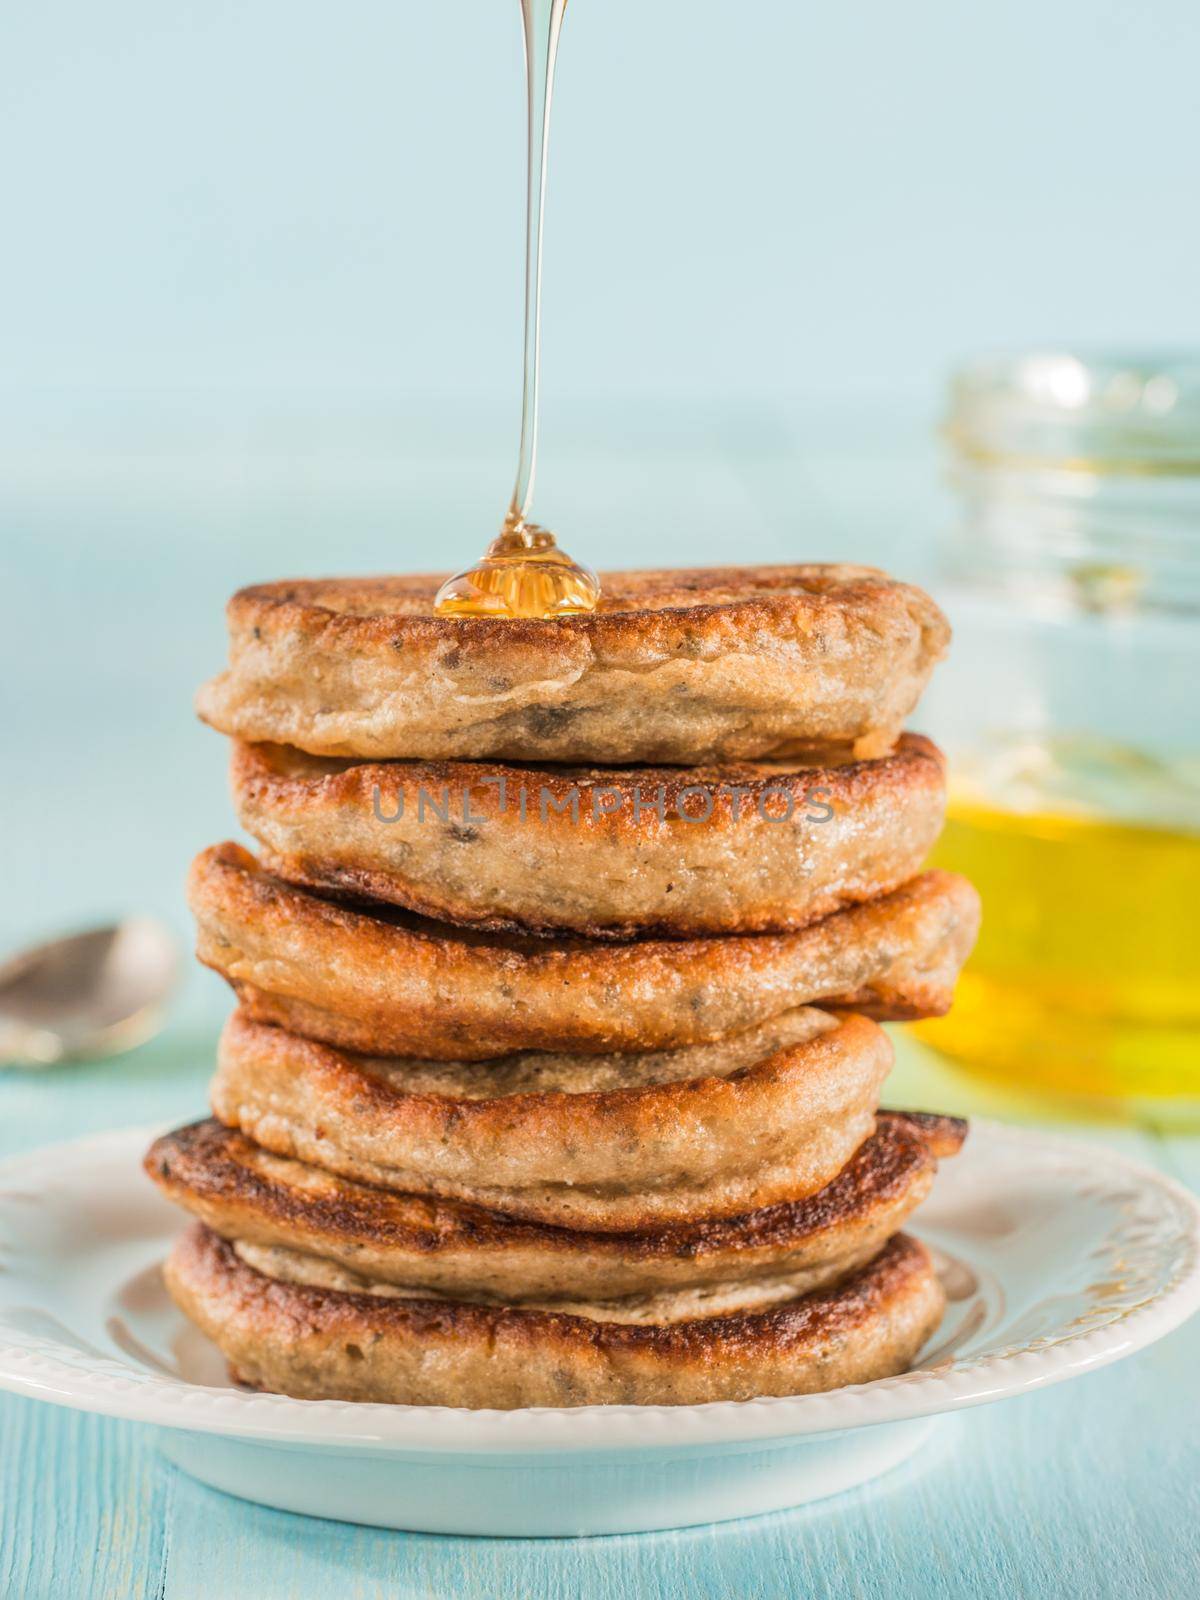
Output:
(523, 573)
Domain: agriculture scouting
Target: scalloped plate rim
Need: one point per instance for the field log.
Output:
(443, 1430)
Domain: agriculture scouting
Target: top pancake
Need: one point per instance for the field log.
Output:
(730, 663)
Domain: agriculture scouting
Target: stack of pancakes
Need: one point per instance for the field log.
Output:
(555, 1073)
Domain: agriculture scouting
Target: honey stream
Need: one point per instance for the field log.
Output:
(523, 573)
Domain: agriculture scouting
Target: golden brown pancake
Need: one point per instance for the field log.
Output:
(386, 983)
(608, 852)
(728, 663)
(582, 1141)
(428, 1247)
(320, 1343)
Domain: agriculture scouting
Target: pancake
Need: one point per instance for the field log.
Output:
(729, 663)
(608, 852)
(387, 983)
(274, 1204)
(315, 1342)
(603, 1142)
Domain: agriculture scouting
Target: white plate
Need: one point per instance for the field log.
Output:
(1058, 1258)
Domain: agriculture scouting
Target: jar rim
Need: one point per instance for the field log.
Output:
(1091, 411)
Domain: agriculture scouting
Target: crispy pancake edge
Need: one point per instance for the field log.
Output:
(732, 663)
(517, 860)
(449, 1248)
(612, 1160)
(329, 1344)
(393, 985)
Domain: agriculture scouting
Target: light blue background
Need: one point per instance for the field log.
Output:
(301, 205)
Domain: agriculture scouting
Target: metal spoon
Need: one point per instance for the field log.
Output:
(89, 994)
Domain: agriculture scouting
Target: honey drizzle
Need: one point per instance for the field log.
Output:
(523, 572)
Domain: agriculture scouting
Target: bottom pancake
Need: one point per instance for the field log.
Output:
(314, 1342)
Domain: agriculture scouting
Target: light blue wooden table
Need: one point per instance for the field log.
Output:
(115, 569)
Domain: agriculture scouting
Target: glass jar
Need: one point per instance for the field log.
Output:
(1070, 709)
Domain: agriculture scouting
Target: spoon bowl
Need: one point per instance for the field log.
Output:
(86, 995)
